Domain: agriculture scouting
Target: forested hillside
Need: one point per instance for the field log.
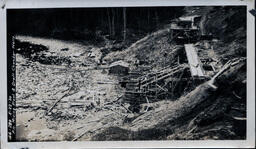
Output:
(92, 24)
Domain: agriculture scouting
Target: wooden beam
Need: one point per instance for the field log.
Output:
(224, 68)
(165, 76)
(161, 88)
(194, 62)
(65, 95)
(164, 73)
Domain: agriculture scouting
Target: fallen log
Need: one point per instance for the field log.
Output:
(117, 99)
(98, 82)
(239, 118)
(173, 110)
(65, 95)
(224, 68)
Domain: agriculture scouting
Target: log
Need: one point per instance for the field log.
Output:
(147, 103)
(65, 95)
(77, 104)
(133, 92)
(118, 98)
(98, 82)
(165, 76)
(173, 110)
(234, 93)
(159, 71)
(153, 78)
(224, 68)
(164, 72)
(161, 88)
(239, 118)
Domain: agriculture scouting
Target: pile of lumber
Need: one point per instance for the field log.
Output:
(150, 85)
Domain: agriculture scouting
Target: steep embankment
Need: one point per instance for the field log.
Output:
(154, 50)
(227, 25)
(203, 113)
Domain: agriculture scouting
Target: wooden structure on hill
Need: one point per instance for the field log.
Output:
(185, 29)
(150, 86)
(119, 67)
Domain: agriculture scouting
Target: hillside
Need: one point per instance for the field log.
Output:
(157, 45)
(214, 113)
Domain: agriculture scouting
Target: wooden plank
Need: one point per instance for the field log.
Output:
(162, 88)
(164, 72)
(194, 62)
(165, 76)
(160, 71)
(133, 92)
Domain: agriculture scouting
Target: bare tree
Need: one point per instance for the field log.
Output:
(157, 19)
(109, 23)
(113, 22)
(124, 17)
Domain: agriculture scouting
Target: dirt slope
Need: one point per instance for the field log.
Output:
(154, 50)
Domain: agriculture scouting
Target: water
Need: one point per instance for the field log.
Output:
(26, 122)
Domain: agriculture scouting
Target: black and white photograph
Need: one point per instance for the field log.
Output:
(127, 73)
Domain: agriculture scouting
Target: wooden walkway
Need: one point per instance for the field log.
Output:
(151, 85)
(193, 60)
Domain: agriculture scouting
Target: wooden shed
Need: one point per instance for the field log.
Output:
(119, 67)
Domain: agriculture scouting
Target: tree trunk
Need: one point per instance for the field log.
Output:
(157, 19)
(148, 18)
(109, 23)
(124, 16)
(113, 22)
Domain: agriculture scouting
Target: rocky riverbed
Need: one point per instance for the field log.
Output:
(82, 107)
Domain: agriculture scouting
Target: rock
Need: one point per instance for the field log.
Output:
(54, 110)
(64, 49)
(76, 54)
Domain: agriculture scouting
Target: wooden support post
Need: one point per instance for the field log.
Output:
(156, 90)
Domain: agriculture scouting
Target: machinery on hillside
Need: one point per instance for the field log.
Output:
(186, 29)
